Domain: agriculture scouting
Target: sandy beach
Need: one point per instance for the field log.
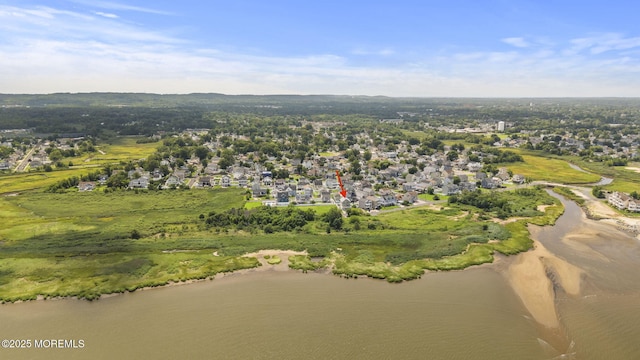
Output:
(533, 276)
(282, 254)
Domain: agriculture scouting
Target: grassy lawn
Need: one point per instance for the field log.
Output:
(552, 170)
(253, 204)
(429, 197)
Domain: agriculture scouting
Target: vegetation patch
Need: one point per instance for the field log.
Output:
(552, 170)
(569, 194)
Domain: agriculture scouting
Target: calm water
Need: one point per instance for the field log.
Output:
(604, 322)
(472, 314)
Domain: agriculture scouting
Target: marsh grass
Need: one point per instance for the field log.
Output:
(80, 244)
(552, 170)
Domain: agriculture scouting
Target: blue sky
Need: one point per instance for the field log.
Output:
(489, 48)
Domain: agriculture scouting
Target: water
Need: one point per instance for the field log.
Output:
(603, 322)
(470, 314)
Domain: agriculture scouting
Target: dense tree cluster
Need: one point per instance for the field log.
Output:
(5, 151)
(494, 156)
(267, 218)
(500, 203)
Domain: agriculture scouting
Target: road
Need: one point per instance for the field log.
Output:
(25, 161)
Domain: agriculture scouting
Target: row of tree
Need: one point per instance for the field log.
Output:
(271, 219)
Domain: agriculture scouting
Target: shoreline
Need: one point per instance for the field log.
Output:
(549, 271)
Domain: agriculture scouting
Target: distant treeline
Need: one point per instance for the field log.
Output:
(143, 114)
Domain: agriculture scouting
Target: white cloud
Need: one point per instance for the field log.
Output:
(49, 50)
(107, 15)
(111, 5)
(602, 43)
(516, 41)
(367, 52)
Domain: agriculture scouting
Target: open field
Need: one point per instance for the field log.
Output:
(626, 180)
(29, 181)
(552, 170)
(120, 149)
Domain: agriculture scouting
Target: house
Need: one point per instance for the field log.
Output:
(302, 198)
(410, 197)
(409, 186)
(267, 181)
(212, 168)
(282, 196)
(503, 174)
(102, 179)
(181, 174)
(388, 198)
(86, 186)
(280, 184)
(368, 203)
(308, 192)
(488, 183)
(157, 174)
(4, 165)
(242, 181)
(345, 204)
(292, 188)
(226, 181)
(450, 189)
(258, 191)
(325, 195)
(205, 181)
(518, 179)
(172, 180)
(633, 205)
(619, 200)
(474, 166)
(139, 183)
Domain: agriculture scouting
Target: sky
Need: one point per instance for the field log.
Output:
(418, 48)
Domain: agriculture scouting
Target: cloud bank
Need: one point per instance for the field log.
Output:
(45, 49)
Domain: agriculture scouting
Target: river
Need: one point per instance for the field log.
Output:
(470, 314)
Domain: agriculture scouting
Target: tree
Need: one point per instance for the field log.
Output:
(55, 155)
(597, 192)
(333, 218)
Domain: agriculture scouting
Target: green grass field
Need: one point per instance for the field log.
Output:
(11, 183)
(120, 149)
(552, 170)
